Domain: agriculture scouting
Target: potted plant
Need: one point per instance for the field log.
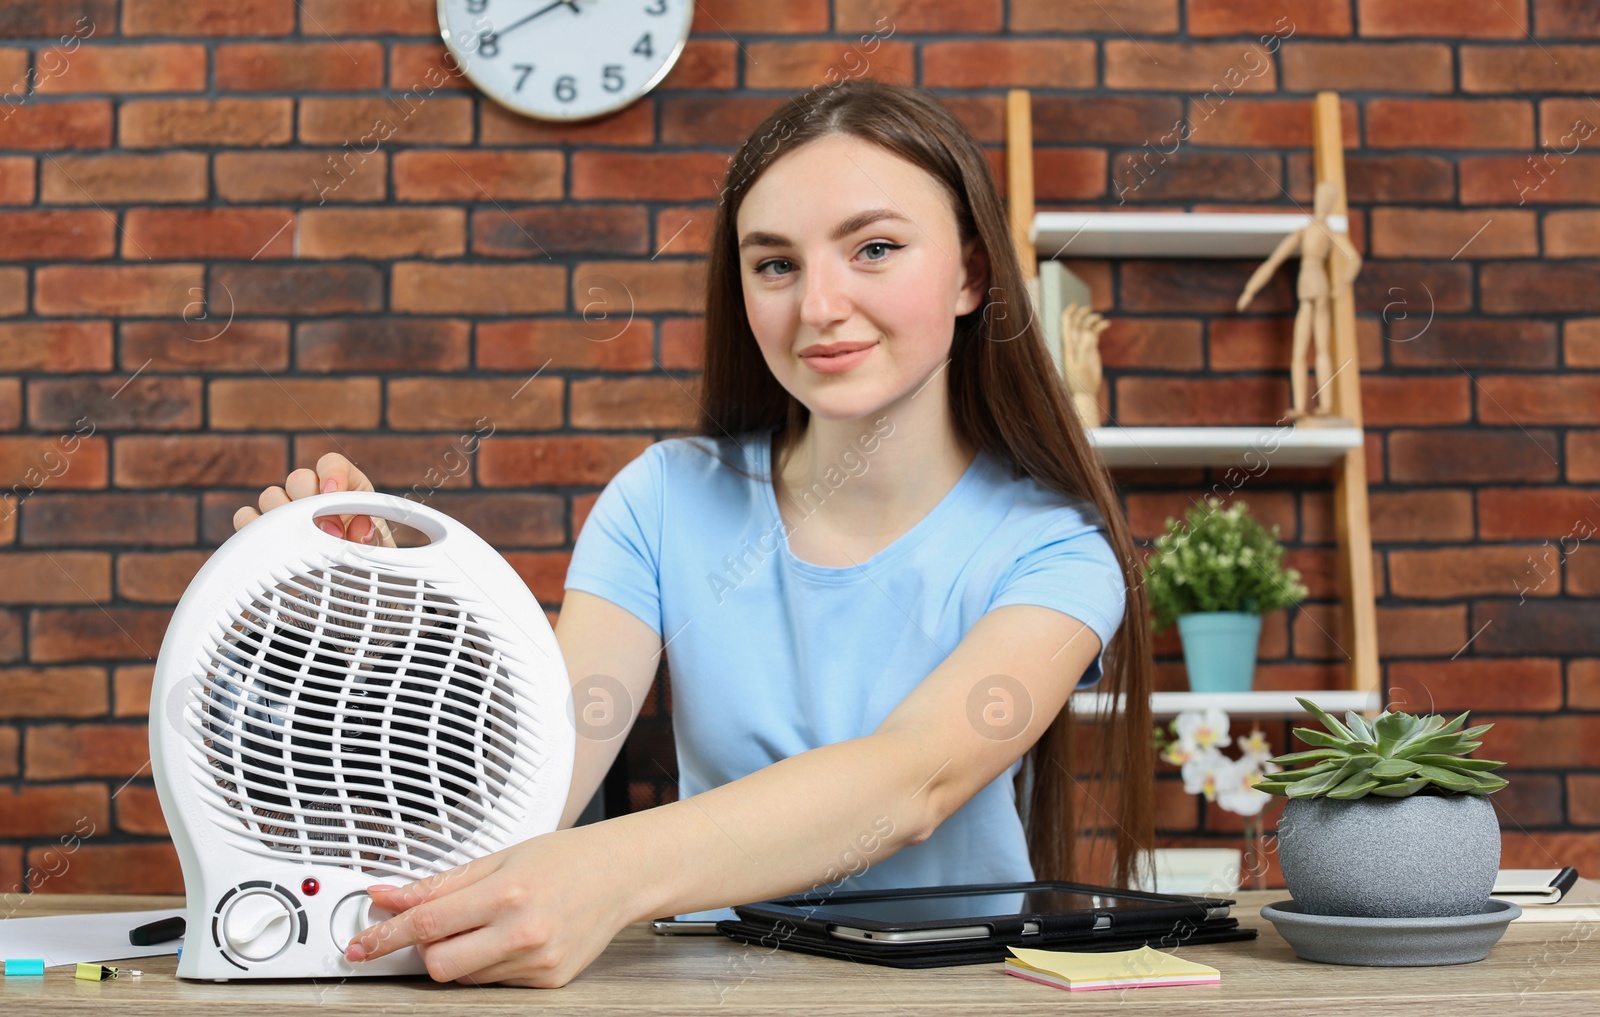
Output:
(1215, 576)
(1387, 818)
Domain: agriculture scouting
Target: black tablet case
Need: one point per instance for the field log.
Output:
(791, 936)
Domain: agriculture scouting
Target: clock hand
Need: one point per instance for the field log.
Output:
(503, 32)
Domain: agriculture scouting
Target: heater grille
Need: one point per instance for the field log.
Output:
(360, 717)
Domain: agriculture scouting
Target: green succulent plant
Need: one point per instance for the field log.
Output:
(1396, 756)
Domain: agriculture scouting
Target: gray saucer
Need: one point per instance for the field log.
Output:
(1391, 942)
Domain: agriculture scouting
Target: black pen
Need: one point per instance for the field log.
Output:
(157, 932)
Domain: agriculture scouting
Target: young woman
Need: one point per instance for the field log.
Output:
(879, 568)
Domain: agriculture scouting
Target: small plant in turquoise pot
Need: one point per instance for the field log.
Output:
(1215, 575)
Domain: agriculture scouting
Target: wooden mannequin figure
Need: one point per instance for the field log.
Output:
(1314, 319)
(1080, 360)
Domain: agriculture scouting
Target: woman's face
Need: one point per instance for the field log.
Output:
(816, 272)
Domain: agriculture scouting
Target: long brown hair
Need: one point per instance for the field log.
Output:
(1006, 398)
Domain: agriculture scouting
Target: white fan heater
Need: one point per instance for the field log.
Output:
(328, 715)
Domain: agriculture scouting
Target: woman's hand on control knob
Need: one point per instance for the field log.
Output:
(333, 473)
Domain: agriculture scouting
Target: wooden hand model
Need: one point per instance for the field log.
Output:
(1080, 360)
(1317, 244)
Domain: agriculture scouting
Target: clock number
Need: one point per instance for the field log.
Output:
(489, 44)
(566, 88)
(477, 6)
(660, 7)
(613, 72)
(643, 47)
(526, 70)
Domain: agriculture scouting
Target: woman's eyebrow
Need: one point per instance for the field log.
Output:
(758, 238)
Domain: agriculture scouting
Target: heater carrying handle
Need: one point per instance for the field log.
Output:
(304, 511)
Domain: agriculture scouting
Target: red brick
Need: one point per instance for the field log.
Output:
(1272, 123)
(123, 178)
(427, 63)
(53, 462)
(187, 346)
(800, 65)
(93, 633)
(108, 868)
(1583, 456)
(208, 233)
(442, 175)
(160, 123)
(1573, 19)
(1542, 178)
(1218, 69)
(424, 288)
(1583, 799)
(77, 520)
(157, 577)
(1483, 456)
(139, 811)
(1070, 174)
(510, 404)
(509, 520)
(199, 460)
(629, 403)
(1391, 401)
(131, 690)
(293, 404)
(382, 344)
(300, 66)
(1149, 175)
(704, 63)
(382, 233)
(1451, 573)
(1112, 119)
(551, 229)
(52, 811)
(55, 346)
(1146, 16)
(208, 17)
(1367, 67)
(1265, 17)
(1583, 685)
(1530, 68)
(1563, 740)
(530, 345)
(150, 402)
(1458, 343)
(1421, 631)
(591, 460)
(368, 17)
(158, 67)
(120, 290)
(1217, 401)
(632, 125)
(52, 126)
(57, 691)
(1456, 19)
(1404, 517)
(13, 291)
(683, 344)
(363, 123)
(54, 18)
(1448, 233)
(57, 234)
(908, 16)
(64, 577)
(1566, 124)
(1540, 287)
(1513, 685)
(1572, 234)
(1171, 343)
(689, 176)
(1449, 123)
(309, 289)
(727, 16)
(683, 230)
(694, 121)
(310, 176)
(1582, 342)
(619, 287)
(16, 180)
(1536, 399)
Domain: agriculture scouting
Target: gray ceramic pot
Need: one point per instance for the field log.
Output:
(1377, 857)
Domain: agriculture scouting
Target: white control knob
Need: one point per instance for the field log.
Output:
(257, 926)
(353, 916)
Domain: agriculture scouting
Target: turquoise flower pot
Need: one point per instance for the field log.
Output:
(1219, 649)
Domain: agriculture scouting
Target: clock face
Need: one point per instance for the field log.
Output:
(565, 59)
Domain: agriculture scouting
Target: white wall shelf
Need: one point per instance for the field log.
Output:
(1248, 447)
(1166, 234)
(1247, 704)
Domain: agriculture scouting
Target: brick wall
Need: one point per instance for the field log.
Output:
(213, 270)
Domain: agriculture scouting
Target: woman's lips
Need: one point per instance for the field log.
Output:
(839, 362)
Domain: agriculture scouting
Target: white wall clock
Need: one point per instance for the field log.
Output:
(565, 59)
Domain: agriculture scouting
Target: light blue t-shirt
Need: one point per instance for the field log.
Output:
(771, 655)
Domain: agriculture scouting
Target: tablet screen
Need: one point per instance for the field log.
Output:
(981, 905)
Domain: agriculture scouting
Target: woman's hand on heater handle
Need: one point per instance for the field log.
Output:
(333, 473)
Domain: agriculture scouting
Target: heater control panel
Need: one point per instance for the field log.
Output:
(257, 920)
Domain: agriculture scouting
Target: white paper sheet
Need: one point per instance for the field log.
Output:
(69, 939)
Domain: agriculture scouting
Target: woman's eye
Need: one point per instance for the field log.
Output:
(761, 269)
(883, 244)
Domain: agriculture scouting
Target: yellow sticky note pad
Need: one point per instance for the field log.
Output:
(1112, 970)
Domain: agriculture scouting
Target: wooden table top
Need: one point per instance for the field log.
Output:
(1550, 968)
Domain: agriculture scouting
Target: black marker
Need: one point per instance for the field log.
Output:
(157, 932)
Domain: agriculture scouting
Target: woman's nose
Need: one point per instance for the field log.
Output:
(824, 298)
